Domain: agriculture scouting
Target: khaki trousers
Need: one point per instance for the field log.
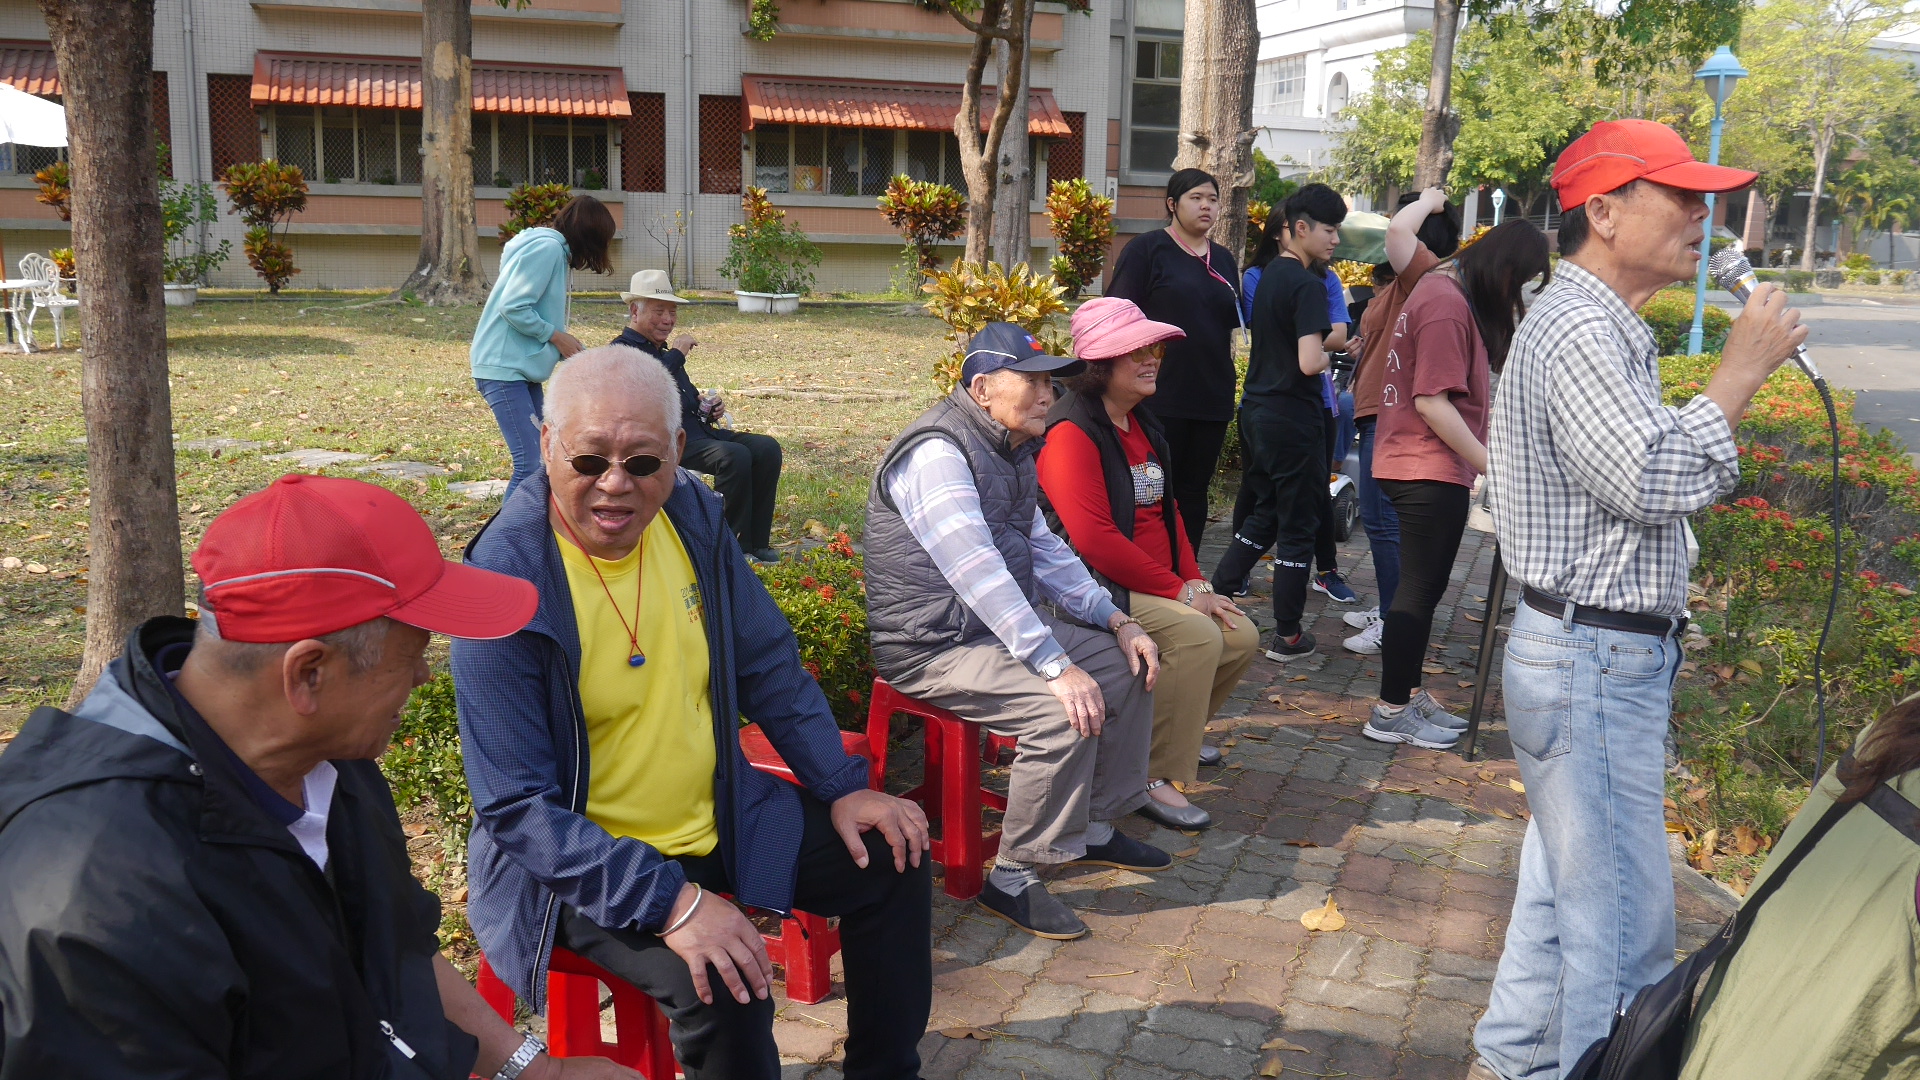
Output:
(1060, 780)
(1200, 664)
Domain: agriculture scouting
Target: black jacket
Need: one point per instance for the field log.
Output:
(1089, 413)
(158, 923)
(692, 421)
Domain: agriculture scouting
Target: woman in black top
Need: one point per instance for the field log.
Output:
(1176, 275)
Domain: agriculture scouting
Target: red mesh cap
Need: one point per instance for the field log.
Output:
(314, 554)
(1618, 152)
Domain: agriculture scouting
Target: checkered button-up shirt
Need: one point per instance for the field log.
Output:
(1592, 477)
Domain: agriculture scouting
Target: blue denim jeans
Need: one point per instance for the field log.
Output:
(1343, 433)
(1593, 921)
(1383, 525)
(517, 408)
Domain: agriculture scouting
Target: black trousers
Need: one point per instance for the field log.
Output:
(1285, 484)
(745, 467)
(1194, 449)
(1433, 515)
(885, 946)
(1326, 553)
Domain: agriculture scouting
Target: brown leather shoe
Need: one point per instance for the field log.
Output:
(1480, 1070)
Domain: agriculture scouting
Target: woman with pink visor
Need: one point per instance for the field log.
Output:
(1103, 476)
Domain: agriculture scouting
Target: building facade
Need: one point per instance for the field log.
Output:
(664, 110)
(1315, 56)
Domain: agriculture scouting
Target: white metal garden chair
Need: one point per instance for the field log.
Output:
(46, 295)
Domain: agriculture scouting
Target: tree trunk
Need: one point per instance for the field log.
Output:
(105, 53)
(449, 269)
(977, 153)
(1013, 184)
(1439, 125)
(1221, 44)
(1754, 232)
(1821, 148)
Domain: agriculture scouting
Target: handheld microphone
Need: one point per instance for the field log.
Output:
(1731, 271)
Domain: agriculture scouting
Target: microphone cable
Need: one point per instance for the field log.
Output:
(1833, 594)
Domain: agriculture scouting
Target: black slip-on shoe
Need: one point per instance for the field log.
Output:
(1211, 755)
(1126, 853)
(1034, 910)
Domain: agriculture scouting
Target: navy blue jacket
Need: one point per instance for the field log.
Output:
(692, 420)
(524, 738)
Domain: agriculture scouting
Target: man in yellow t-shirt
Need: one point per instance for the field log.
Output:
(613, 805)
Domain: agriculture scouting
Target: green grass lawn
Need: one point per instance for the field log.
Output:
(833, 384)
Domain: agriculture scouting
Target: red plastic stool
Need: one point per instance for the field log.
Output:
(952, 793)
(807, 942)
(573, 1015)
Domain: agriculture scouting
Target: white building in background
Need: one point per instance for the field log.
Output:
(1315, 56)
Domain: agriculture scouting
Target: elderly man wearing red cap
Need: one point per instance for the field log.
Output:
(205, 874)
(613, 803)
(1592, 480)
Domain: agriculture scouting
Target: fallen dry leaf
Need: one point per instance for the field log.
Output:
(967, 1033)
(1746, 841)
(1254, 735)
(1225, 743)
(10, 563)
(1333, 738)
(1466, 684)
(1752, 667)
(1277, 699)
(36, 568)
(1301, 843)
(1298, 678)
(1433, 669)
(1497, 812)
(1725, 671)
(1325, 919)
(1115, 974)
(1272, 1066)
(1187, 853)
(1487, 775)
(1696, 794)
(1282, 1044)
(1471, 617)
(37, 539)
(1517, 786)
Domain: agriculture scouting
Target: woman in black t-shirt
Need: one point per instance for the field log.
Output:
(1176, 275)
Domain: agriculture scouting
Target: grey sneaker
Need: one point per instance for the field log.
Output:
(1408, 727)
(1435, 713)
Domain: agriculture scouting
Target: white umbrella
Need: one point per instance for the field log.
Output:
(29, 120)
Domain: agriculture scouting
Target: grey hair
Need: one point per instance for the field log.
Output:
(598, 373)
(362, 645)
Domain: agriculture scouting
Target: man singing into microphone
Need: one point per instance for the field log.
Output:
(1593, 479)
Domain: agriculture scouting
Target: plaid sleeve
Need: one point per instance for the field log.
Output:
(1648, 463)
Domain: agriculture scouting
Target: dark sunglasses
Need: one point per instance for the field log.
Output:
(595, 464)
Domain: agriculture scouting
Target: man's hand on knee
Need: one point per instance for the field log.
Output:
(718, 934)
(903, 823)
(1080, 695)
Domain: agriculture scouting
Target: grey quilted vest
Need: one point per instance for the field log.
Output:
(913, 612)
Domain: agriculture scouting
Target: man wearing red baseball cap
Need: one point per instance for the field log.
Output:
(1592, 481)
(204, 872)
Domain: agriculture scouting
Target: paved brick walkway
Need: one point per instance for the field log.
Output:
(1188, 973)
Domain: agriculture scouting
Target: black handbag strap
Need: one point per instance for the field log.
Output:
(1895, 810)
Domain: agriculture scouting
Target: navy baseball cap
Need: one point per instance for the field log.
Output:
(1003, 346)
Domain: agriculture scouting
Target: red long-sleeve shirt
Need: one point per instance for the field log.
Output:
(1071, 475)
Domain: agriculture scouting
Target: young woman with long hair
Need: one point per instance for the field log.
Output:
(1178, 276)
(522, 331)
(1431, 444)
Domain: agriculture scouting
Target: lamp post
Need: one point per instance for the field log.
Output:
(1717, 76)
(1499, 203)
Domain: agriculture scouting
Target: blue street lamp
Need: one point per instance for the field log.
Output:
(1499, 203)
(1717, 76)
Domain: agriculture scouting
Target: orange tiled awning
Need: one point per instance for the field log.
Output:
(393, 83)
(780, 99)
(28, 66)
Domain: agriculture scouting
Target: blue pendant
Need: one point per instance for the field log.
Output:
(636, 660)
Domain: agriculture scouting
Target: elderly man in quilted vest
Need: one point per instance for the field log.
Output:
(959, 561)
(615, 813)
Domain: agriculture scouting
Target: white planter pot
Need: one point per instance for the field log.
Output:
(182, 295)
(768, 303)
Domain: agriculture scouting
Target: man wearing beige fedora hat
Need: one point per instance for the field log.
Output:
(745, 466)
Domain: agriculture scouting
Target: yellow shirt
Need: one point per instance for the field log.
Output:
(649, 728)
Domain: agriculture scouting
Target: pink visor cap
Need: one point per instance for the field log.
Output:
(1109, 327)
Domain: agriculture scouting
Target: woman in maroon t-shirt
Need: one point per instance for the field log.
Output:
(1430, 445)
(1104, 472)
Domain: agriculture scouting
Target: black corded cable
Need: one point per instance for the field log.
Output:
(1833, 596)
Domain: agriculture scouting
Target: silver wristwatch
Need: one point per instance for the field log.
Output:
(1054, 668)
(531, 1047)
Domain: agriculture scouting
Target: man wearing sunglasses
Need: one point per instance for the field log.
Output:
(614, 808)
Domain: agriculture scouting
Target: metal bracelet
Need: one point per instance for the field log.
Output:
(530, 1047)
(699, 894)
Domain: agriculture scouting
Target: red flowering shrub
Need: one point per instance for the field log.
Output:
(823, 596)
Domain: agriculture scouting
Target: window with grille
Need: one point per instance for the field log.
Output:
(643, 144)
(720, 127)
(1067, 158)
(1280, 85)
(817, 160)
(163, 117)
(1155, 123)
(339, 145)
(233, 128)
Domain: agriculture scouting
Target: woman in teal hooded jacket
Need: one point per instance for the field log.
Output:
(522, 332)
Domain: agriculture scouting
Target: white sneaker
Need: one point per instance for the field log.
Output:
(1366, 642)
(1360, 620)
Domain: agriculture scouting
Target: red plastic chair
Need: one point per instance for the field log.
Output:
(807, 942)
(573, 1015)
(954, 798)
